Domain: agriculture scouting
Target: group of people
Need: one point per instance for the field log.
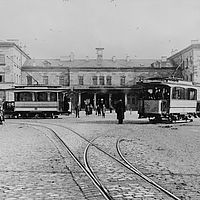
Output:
(101, 110)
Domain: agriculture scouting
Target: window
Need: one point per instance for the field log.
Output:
(23, 96)
(178, 93)
(183, 65)
(122, 80)
(2, 59)
(41, 96)
(53, 96)
(191, 77)
(80, 80)
(191, 94)
(94, 80)
(101, 80)
(61, 80)
(45, 80)
(1, 78)
(109, 80)
(66, 80)
(29, 80)
(187, 63)
(191, 61)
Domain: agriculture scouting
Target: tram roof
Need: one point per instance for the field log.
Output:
(41, 87)
(167, 82)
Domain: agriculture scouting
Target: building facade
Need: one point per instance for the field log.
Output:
(91, 80)
(12, 59)
(187, 62)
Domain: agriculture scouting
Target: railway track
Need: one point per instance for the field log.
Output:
(153, 190)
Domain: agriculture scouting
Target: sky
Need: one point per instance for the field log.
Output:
(136, 28)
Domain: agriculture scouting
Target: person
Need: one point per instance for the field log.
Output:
(98, 110)
(103, 111)
(120, 109)
(1, 116)
(87, 109)
(101, 106)
(77, 109)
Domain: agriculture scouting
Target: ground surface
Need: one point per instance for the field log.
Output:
(31, 166)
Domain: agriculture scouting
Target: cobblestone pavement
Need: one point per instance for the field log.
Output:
(168, 153)
(32, 168)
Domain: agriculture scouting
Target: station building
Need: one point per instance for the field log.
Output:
(91, 80)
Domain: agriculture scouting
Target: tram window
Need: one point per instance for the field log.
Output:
(191, 94)
(178, 93)
(60, 96)
(23, 96)
(148, 94)
(42, 96)
(53, 96)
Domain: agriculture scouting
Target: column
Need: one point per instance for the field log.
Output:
(33, 96)
(79, 99)
(125, 100)
(95, 100)
(48, 96)
(110, 99)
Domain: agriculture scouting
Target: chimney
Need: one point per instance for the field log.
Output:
(99, 55)
(71, 57)
(127, 58)
(114, 58)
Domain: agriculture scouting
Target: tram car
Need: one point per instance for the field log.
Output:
(167, 99)
(37, 101)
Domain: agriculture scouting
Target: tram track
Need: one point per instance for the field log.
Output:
(59, 142)
(124, 163)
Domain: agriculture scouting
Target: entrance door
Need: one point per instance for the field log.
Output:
(116, 97)
(105, 98)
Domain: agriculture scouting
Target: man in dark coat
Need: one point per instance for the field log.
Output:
(120, 109)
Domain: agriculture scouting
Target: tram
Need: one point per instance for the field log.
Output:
(37, 101)
(169, 99)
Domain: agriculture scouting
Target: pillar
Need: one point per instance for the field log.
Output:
(95, 100)
(110, 99)
(125, 100)
(79, 99)
(33, 96)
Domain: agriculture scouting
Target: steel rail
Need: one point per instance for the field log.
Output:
(135, 170)
(96, 182)
(124, 163)
(90, 169)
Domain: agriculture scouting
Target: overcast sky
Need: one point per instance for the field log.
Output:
(138, 28)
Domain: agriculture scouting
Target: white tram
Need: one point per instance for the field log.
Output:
(169, 99)
(38, 101)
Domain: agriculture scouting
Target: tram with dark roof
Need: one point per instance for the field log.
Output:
(37, 101)
(167, 99)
